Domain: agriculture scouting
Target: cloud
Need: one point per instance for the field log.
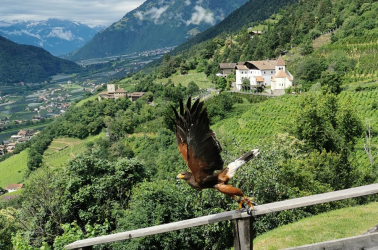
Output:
(138, 15)
(20, 32)
(155, 13)
(60, 33)
(201, 15)
(90, 12)
(13, 33)
(187, 2)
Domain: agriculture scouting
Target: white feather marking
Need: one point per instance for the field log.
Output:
(233, 166)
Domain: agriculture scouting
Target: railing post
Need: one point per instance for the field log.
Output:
(243, 233)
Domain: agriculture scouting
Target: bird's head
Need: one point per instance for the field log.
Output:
(184, 175)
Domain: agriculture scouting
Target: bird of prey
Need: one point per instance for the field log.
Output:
(202, 153)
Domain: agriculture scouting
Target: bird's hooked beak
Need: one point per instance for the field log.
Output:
(180, 176)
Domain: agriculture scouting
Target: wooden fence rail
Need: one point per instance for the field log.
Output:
(365, 242)
(246, 241)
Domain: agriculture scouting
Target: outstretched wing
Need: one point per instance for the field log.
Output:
(196, 141)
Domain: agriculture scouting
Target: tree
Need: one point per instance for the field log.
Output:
(87, 190)
(164, 201)
(123, 123)
(96, 188)
(44, 207)
(325, 122)
(34, 159)
(210, 48)
(184, 67)
(192, 88)
(221, 83)
(332, 81)
(311, 69)
(8, 226)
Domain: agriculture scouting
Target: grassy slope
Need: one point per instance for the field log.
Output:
(342, 223)
(13, 169)
(63, 149)
(91, 98)
(199, 78)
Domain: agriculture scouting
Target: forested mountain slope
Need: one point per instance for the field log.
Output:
(251, 11)
(157, 24)
(27, 63)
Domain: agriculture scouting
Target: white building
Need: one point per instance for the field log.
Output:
(264, 73)
(13, 187)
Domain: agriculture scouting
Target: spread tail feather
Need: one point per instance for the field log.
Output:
(233, 166)
(248, 156)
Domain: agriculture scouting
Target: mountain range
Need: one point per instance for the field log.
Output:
(157, 24)
(251, 11)
(59, 37)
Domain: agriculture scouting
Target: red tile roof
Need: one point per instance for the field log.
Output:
(259, 79)
(265, 65)
(14, 186)
(242, 67)
(280, 61)
(281, 74)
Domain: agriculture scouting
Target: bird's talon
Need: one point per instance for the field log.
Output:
(242, 210)
(250, 211)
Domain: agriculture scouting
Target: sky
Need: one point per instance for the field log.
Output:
(89, 12)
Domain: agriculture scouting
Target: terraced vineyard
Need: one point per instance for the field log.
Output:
(63, 149)
(364, 53)
(366, 104)
(261, 121)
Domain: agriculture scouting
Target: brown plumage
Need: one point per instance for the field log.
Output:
(201, 151)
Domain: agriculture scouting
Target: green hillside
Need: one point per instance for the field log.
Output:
(40, 66)
(13, 169)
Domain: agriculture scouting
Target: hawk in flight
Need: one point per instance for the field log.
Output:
(202, 153)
